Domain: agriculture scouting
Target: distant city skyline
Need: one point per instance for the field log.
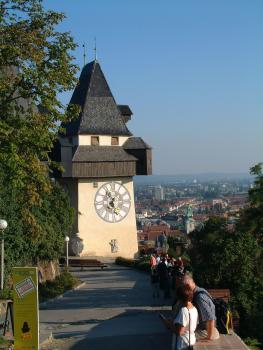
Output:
(192, 73)
(193, 178)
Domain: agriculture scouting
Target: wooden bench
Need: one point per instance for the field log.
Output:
(225, 295)
(86, 263)
(220, 293)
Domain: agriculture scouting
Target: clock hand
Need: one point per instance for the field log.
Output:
(117, 211)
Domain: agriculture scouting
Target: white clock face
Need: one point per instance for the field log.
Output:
(112, 202)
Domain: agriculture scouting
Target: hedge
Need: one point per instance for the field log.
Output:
(137, 264)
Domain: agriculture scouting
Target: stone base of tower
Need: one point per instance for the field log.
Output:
(101, 238)
(127, 246)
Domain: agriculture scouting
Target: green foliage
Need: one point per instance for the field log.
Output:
(50, 289)
(172, 253)
(143, 265)
(6, 294)
(252, 343)
(125, 262)
(5, 342)
(251, 219)
(54, 216)
(223, 259)
(252, 325)
(173, 242)
(35, 65)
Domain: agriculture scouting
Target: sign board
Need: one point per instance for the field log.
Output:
(26, 321)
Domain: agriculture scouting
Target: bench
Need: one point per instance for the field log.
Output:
(86, 263)
(220, 293)
(225, 295)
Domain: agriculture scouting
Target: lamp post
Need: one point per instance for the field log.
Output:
(3, 226)
(67, 240)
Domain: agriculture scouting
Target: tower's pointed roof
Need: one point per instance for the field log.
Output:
(100, 114)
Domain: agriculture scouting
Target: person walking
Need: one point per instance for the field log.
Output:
(155, 283)
(164, 278)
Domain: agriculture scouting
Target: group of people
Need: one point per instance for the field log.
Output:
(166, 272)
(193, 309)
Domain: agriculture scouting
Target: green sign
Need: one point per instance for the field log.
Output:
(26, 321)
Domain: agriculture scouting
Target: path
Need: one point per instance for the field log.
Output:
(114, 309)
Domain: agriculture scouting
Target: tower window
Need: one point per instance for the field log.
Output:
(95, 140)
(115, 141)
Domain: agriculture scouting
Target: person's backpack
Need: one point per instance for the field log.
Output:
(223, 315)
(222, 310)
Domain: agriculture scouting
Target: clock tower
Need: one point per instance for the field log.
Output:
(100, 157)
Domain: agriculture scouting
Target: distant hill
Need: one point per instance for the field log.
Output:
(205, 177)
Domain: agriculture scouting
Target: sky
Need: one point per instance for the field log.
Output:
(190, 70)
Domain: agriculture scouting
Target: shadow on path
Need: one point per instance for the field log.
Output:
(126, 342)
(113, 310)
(134, 329)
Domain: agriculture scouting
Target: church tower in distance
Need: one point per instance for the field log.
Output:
(100, 157)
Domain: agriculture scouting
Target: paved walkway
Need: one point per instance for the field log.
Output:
(113, 309)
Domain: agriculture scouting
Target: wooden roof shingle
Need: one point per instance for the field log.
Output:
(100, 115)
(136, 143)
(102, 154)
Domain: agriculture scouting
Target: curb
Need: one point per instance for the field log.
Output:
(49, 337)
(44, 303)
(47, 340)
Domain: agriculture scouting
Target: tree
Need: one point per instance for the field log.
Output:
(35, 65)
(251, 219)
(54, 216)
(223, 259)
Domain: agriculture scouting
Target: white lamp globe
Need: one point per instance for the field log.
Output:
(3, 224)
(66, 238)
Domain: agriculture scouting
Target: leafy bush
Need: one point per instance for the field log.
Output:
(145, 257)
(143, 265)
(5, 342)
(251, 325)
(6, 294)
(124, 262)
(172, 253)
(61, 284)
(37, 210)
(253, 343)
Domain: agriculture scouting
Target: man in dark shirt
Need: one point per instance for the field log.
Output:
(206, 310)
(164, 278)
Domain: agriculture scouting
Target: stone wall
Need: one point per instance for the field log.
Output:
(48, 270)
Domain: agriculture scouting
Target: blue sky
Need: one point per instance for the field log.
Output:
(191, 71)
